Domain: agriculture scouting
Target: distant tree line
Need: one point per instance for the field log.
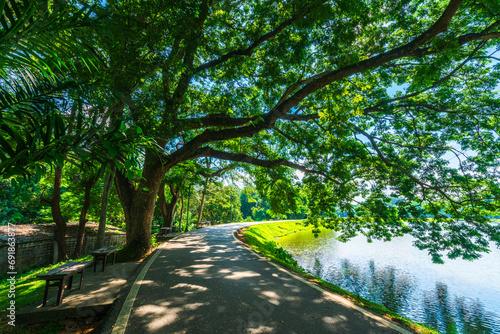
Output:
(23, 204)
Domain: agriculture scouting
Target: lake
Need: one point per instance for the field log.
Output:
(458, 294)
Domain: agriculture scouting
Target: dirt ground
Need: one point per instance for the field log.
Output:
(70, 326)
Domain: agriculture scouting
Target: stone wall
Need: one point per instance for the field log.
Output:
(44, 252)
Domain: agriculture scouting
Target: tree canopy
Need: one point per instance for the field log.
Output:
(388, 108)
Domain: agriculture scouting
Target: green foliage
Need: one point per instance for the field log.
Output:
(222, 204)
(19, 204)
(258, 207)
(254, 206)
(154, 243)
(26, 26)
(281, 254)
(39, 46)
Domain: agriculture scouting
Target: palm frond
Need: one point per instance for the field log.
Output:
(33, 36)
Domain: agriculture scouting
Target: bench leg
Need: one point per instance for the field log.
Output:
(104, 262)
(70, 282)
(81, 279)
(46, 292)
(60, 292)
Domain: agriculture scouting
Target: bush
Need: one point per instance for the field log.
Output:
(281, 253)
(154, 243)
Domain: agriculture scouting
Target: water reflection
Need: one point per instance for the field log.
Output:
(455, 315)
(385, 286)
(418, 294)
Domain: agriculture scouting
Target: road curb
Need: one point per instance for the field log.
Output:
(106, 324)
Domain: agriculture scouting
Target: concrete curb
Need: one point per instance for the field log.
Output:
(107, 323)
(122, 319)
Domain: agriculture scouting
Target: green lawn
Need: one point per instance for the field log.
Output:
(262, 238)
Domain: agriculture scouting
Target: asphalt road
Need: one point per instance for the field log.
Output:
(205, 281)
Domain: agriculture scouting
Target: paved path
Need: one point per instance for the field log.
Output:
(205, 281)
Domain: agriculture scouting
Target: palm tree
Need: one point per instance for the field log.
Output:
(39, 48)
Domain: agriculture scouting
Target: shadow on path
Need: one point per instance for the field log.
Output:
(207, 282)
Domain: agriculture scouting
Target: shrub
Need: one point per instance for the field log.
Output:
(281, 253)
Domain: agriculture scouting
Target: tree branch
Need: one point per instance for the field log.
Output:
(403, 51)
(427, 106)
(399, 168)
(484, 35)
(189, 56)
(435, 84)
(222, 120)
(249, 50)
(239, 157)
(268, 120)
(217, 173)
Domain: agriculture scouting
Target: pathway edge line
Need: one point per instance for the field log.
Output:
(122, 319)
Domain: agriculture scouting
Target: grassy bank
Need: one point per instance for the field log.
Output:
(262, 238)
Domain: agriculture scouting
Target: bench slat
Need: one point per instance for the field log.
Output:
(66, 269)
(105, 250)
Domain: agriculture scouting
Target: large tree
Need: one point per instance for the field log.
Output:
(370, 99)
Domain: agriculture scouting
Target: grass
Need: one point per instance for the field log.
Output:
(262, 238)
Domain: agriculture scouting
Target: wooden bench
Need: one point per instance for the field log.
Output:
(60, 274)
(205, 223)
(165, 230)
(102, 254)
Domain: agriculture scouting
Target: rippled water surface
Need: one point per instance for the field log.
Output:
(458, 296)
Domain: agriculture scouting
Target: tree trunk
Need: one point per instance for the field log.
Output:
(200, 212)
(171, 208)
(83, 217)
(138, 208)
(55, 201)
(108, 181)
(182, 210)
(168, 209)
(187, 211)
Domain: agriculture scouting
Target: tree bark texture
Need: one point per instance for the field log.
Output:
(55, 206)
(182, 211)
(200, 212)
(168, 209)
(138, 207)
(83, 217)
(108, 181)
